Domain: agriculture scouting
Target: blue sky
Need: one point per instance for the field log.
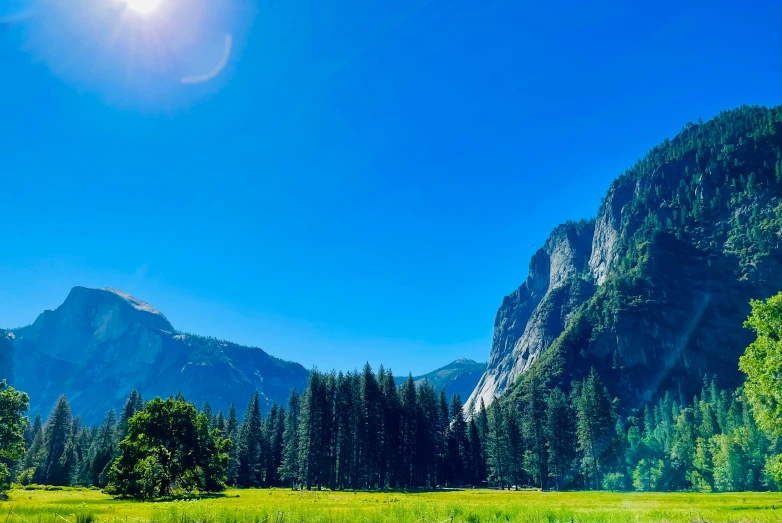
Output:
(362, 180)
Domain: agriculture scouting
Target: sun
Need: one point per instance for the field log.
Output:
(143, 6)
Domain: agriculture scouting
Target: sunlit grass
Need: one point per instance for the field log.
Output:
(469, 506)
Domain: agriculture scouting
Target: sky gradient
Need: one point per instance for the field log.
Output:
(361, 180)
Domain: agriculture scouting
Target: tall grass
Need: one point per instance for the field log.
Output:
(471, 506)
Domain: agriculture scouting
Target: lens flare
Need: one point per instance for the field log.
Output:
(143, 6)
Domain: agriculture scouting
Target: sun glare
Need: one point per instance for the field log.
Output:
(143, 6)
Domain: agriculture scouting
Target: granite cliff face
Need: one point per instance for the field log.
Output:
(101, 343)
(654, 291)
(536, 313)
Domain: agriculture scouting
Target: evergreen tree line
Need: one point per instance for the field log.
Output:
(361, 431)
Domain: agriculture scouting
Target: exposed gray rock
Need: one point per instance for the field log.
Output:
(537, 312)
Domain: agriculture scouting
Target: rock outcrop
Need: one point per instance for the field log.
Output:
(531, 318)
(101, 343)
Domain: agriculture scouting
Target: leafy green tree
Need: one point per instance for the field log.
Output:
(647, 474)
(762, 363)
(13, 405)
(169, 447)
(728, 463)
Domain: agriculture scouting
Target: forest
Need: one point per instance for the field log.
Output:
(363, 431)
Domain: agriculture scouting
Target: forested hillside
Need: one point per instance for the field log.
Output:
(458, 377)
(653, 292)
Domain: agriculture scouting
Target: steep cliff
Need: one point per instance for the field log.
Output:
(654, 291)
(536, 313)
(101, 343)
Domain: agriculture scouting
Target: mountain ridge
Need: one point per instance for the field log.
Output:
(457, 377)
(99, 344)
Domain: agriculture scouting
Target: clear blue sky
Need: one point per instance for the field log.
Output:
(362, 180)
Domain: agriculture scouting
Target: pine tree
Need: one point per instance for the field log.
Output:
(133, 404)
(250, 446)
(103, 450)
(534, 427)
(390, 459)
(371, 427)
(482, 424)
(206, 410)
(232, 433)
(442, 426)
(220, 421)
(515, 445)
(345, 414)
(595, 425)
(289, 467)
(310, 446)
(497, 446)
(560, 436)
(273, 430)
(420, 453)
(457, 441)
(56, 466)
(408, 427)
(476, 466)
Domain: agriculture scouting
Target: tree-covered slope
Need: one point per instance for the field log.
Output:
(101, 343)
(654, 291)
(458, 377)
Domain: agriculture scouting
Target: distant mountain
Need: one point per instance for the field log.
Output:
(458, 377)
(653, 293)
(101, 343)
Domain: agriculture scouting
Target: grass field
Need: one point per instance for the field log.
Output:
(469, 506)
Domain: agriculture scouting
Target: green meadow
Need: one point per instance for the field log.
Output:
(468, 506)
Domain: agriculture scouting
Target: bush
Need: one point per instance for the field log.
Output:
(615, 481)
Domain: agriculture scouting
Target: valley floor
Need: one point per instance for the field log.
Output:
(469, 506)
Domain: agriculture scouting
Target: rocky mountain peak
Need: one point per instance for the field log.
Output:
(99, 344)
(88, 318)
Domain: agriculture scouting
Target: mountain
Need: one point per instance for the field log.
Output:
(654, 291)
(458, 377)
(101, 343)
